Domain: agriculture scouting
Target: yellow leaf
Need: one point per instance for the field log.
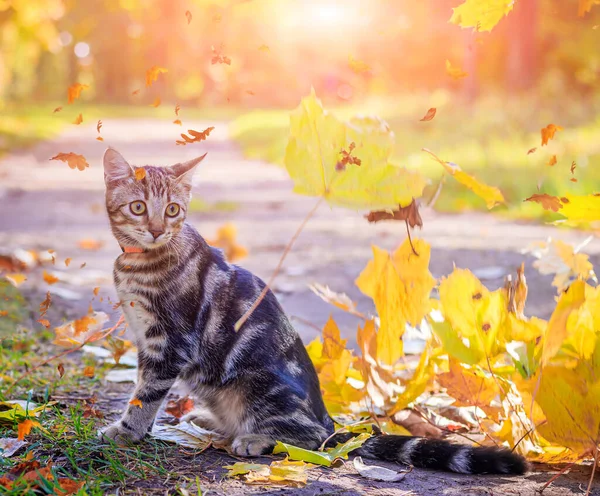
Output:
(16, 279)
(140, 173)
(481, 15)
(358, 66)
(135, 402)
(49, 278)
(490, 194)
(570, 300)
(314, 149)
(333, 344)
(264, 48)
(455, 72)
(74, 91)
(156, 102)
(226, 240)
(152, 74)
(78, 120)
(583, 324)
(548, 132)
(581, 208)
(89, 371)
(399, 284)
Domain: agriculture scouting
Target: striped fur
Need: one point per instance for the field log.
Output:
(181, 300)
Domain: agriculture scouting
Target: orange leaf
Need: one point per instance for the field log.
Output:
(99, 126)
(552, 160)
(68, 486)
(74, 91)
(156, 102)
(67, 261)
(548, 132)
(136, 402)
(430, 114)
(188, 14)
(96, 290)
(177, 109)
(90, 244)
(16, 279)
(61, 369)
(180, 407)
(89, 371)
(100, 138)
(49, 278)
(44, 322)
(45, 305)
(547, 201)
(3, 313)
(78, 120)
(135, 92)
(73, 160)
(152, 74)
(140, 173)
(455, 72)
(177, 121)
(196, 136)
(531, 150)
(57, 109)
(24, 428)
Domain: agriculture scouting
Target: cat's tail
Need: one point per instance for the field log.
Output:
(439, 454)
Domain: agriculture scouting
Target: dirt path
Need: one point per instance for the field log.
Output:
(46, 205)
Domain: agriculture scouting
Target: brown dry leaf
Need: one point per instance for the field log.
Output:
(89, 371)
(531, 150)
(177, 109)
(80, 331)
(156, 102)
(409, 214)
(455, 72)
(548, 202)
(188, 15)
(195, 136)
(136, 402)
(225, 240)
(178, 408)
(45, 323)
(24, 428)
(49, 278)
(140, 173)
(74, 91)
(73, 160)
(78, 120)
(99, 126)
(68, 261)
(552, 160)
(16, 279)
(57, 109)
(548, 132)
(429, 115)
(573, 167)
(152, 74)
(68, 486)
(45, 305)
(61, 369)
(89, 244)
(347, 158)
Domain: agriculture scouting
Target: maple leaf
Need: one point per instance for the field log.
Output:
(57, 109)
(140, 173)
(548, 132)
(73, 160)
(409, 214)
(490, 194)
(358, 66)
(481, 15)
(195, 136)
(188, 16)
(15, 279)
(547, 201)
(78, 120)
(136, 402)
(24, 428)
(399, 284)
(152, 74)
(80, 331)
(455, 72)
(49, 278)
(156, 102)
(429, 115)
(74, 91)
(226, 240)
(178, 408)
(552, 160)
(312, 154)
(333, 344)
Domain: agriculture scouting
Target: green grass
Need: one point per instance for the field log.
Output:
(488, 139)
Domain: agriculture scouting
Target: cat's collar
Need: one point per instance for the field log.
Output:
(131, 249)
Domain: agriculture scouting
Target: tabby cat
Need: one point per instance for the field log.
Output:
(181, 300)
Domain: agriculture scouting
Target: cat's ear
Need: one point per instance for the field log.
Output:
(185, 170)
(115, 166)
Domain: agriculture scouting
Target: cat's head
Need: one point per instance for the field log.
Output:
(146, 212)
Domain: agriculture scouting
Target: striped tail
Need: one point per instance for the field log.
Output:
(438, 454)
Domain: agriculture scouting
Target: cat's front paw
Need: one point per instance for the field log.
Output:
(119, 434)
(252, 445)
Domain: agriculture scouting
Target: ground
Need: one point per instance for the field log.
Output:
(46, 205)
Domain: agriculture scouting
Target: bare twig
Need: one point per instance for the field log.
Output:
(409, 238)
(245, 317)
(556, 476)
(589, 488)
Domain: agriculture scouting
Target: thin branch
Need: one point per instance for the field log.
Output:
(409, 238)
(589, 488)
(245, 317)
(342, 429)
(556, 476)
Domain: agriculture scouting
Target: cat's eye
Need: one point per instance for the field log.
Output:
(137, 207)
(172, 209)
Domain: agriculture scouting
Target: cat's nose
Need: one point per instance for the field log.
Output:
(155, 232)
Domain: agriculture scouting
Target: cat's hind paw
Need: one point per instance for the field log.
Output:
(119, 434)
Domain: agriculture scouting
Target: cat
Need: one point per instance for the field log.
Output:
(181, 300)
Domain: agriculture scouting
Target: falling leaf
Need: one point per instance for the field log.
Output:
(340, 300)
(531, 150)
(135, 402)
(429, 115)
(16, 279)
(99, 126)
(552, 160)
(313, 152)
(45, 305)
(217, 17)
(74, 91)
(49, 278)
(24, 428)
(177, 121)
(152, 75)
(573, 167)
(226, 240)
(250, 92)
(140, 173)
(548, 132)
(455, 72)
(45, 323)
(135, 92)
(195, 136)
(377, 473)
(57, 109)
(547, 201)
(3, 313)
(73, 160)
(177, 109)
(481, 15)
(78, 120)
(156, 102)
(80, 331)
(61, 369)
(89, 371)
(178, 408)
(409, 214)
(264, 48)
(89, 244)
(99, 138)
(358, 66)
(188, 15)
(217, 58)
(118, 347)
(490, 194)
(67, 261)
